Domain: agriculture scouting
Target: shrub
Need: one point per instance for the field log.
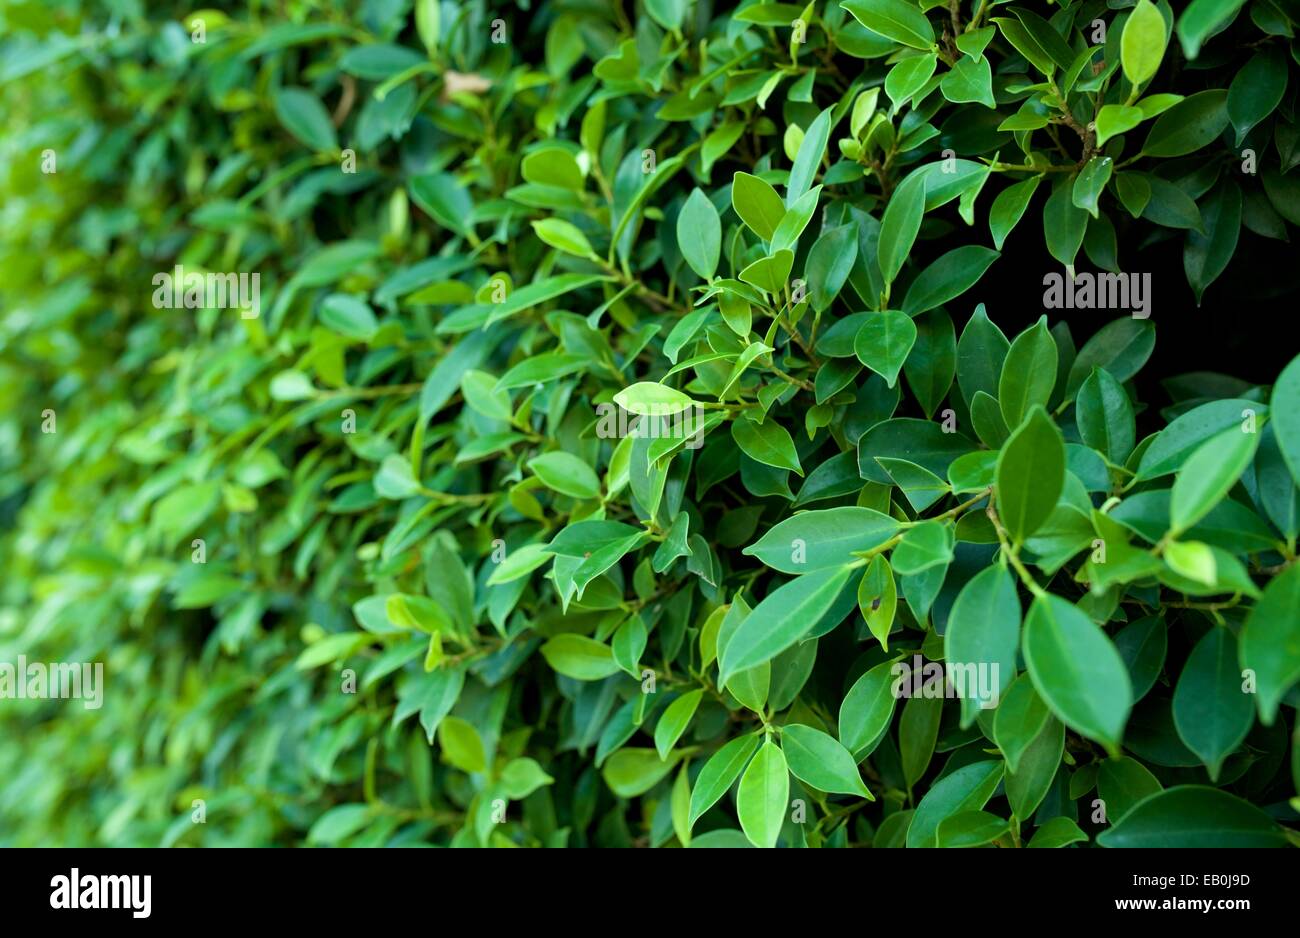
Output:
(623, 448)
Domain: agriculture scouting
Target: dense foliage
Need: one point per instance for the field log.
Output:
(391, 563)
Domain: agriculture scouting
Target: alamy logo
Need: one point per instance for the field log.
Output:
(974, 680)
(62, 680)
(1099, 291)
(181, 289)
(103, 892)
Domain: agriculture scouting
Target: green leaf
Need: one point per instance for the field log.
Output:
(444, 200)
(969, 81)
(970, 829)
(579, 657)
(301, 113)
(980, 353)
(900, 224)
(461, 745)
(699, 234)
(1028, 373)
(1009, 207)
(1192, 123)
(1122, 784)
(1270, 642)
(767, 442)
(884, 341)
(948, 277)
(821, 539)
(1115, 119)
(982, 639)
(1076, 670)
(563, 236)
(909, 76)
(757, 204)
(1058, 832)
(1142, 44)
(829, 264)
(1104, 415)
(763, 796)
(820, 761)
(1027, 785)
(631, 772)
(1091, 182)
(676, 718)
(652, 399)
(1021, 717)
(566, 474)
(1285, 409)
(719, 773)
(552, 166)
(918, 730)
(966, 789)
(898, 20)
(1030, 475)
(1201, 19)
(1211, 712)
(783, 617)
(809, 157)
(878, 598)
(1064, 224)
(928, 544)
(868, 709)
(1193, 816)
(1256, 90)
(1209, 474)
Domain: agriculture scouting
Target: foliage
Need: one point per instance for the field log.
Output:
(447, 597)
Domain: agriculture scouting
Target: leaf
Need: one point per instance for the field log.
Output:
(884, 341)
(651, 399)
(1192, 123)
(699, 234)
(918, 729)
(757, 204)
(631, 772)
(1115, 119)
(1076, 670)
(878, 599)
(927, 545)
(719, 773)
(829, 263)
(1211, 713)
(970, 829)
(1058, 832)
(820, 761)
(1028, 784)
(1270, 642)
(768, 443)
(1256, 90)
(443, 199)
(1207, 253)
(763, 795)
(1028, 373)
(983, 637)
(1193, 816)
(676, 718)
(1064, 224)
(1176, 442)
(1201, 19)
(1122, 784)
(301, 113)
(898, 20)
(563, 237)
(1009, 207)
(1104, 415)
(1021, 717)
(1285, 409)
(1142, 44)
(1209, 474)
(821, 539)
(948, 277)
(787, 614)
(980, 353)
(966, 789)
(809, 157)
(1091, 182)
(900, 223)
(566, 474)
(867, 709)
(1030, 475)
(461, 745)
(579, 657)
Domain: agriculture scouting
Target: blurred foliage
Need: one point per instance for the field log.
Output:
(369, 568)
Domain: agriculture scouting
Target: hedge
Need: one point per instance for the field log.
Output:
(584, 424)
